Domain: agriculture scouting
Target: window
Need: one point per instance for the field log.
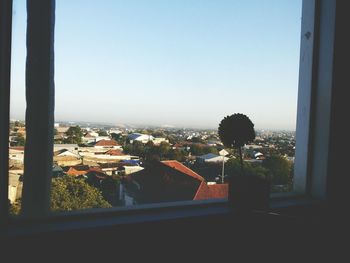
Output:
(42, 124)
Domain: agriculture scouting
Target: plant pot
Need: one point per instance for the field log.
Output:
(249, 192)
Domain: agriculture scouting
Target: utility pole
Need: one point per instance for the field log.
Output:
(223, 153)
(223, 169)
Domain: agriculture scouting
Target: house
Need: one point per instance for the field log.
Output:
(103, 156)
(15, 183)
(211, 158)
(113, 152)
(65, 152)
(164, 181)
(89, 137)
(16, 155)
(67, 160)
(22, 131)
(100, 138)
(110, 168)
(130, 169)
(61, 132)
(214, 143)
(103, 144)
(259, 155)
(144, 138)
(211, 191)
(159, 140)
(115, 131)
(169, 181)
(77, 170)
(64, 157)
(74, 148)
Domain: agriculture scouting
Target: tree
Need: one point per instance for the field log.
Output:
(20, 141)
(15, 208)
(164, 149)
(74, 135)
(158, 134)
(235, 131)
(107, 184)
(197, 149)
(102, 133)
(138, 148)
(69, 193)
(280, 169)
(19, 124)
(233, 167)
(211, 149)
(197, 140)
(177, 154)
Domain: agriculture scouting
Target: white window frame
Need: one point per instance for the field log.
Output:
(313, 112)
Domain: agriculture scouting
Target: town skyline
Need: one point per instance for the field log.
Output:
(144, 126)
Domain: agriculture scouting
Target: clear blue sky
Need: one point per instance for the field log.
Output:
(186, 63)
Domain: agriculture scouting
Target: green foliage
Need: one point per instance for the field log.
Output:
(233, 167)
(173, 139)
(102, 133)
(74, 135)
(164, 149)
(68, 193)
(158, 134)
(109, 186)
(197, 140)
(280, 169)
(15, 208)
(138, 148)
(110, 189)
(236, 130)
(197, 149)
(121, 139)
(20, 141)
(19, 124)
(177, 154)
(211, 150)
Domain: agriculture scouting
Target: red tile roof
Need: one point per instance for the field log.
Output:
(75, 172)
(107, 143)
(213, 191)
(183, 169)
(115, 152)
(18, 148)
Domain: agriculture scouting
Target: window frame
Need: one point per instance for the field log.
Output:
(5, 76)
(313, 125)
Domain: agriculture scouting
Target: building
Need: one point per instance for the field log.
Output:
(211, 158)
(74, 148)
(159, 140)
(144, 138)
(211, 191)
(107, 144)
(168, 181)
(16, 155)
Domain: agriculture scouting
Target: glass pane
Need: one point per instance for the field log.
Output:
(142, 86)
(17, 106)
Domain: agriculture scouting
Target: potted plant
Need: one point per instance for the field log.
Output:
(247, 191)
